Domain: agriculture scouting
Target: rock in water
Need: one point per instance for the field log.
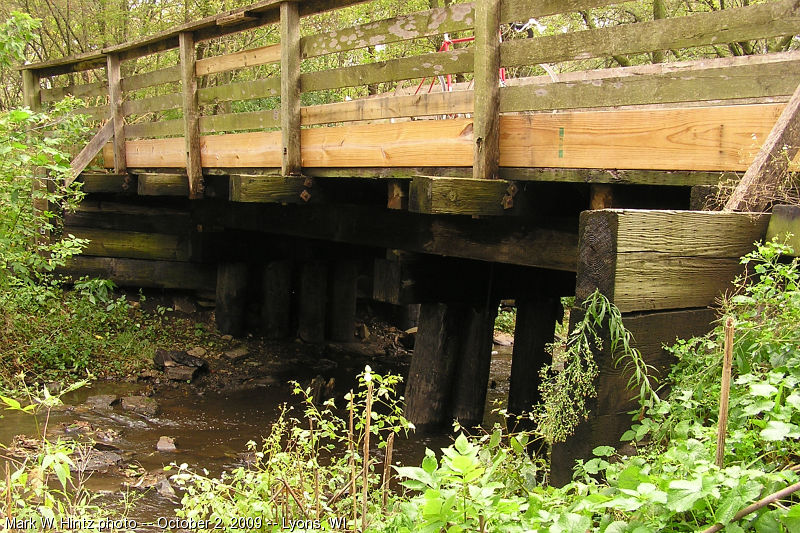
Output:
(166, 444)
(101, 401)
(140, 404)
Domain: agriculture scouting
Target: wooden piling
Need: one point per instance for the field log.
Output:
(277, 299)
(535, 329)
(313, 301)
(472, 371)
(231, 298)
(343, 300)
(430, 377)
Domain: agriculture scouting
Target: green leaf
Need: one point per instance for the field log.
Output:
(762, 389)
(462, 444)
(736, 499)
(429, 464)
(778, 431)
(11, 403)
(792, 518)
(682, 494)
(604, 451)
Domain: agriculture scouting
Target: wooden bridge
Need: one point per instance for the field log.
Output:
(226, 173)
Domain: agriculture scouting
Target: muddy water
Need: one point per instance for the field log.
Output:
(211, 429)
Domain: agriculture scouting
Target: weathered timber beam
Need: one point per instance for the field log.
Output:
(89, 152)
(716, 27)
(422, 278)
(770, 166)
(502, 239)
(282, 190)
(100, 214)
(96, 182)
(460, 196)
(87, 90)
(703, 83)
(155, 77)
(161, 184)
(142, 273)
(133, 244)
(647, 260)
(785, 219)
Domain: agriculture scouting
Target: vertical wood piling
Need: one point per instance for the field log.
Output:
(535, 329)
(313, 302)
(277, 299)
(231, 298)
(430, 377)
(343, 300)
(472, 371)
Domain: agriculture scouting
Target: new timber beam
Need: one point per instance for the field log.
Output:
(648, 259)
(714, 138)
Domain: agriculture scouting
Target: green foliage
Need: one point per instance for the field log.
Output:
(29, 142)
(570, 381)
(506, 320)
(15, 33)
(300, 470)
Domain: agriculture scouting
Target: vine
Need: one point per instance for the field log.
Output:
(565, 391)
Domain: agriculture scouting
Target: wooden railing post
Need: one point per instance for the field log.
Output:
(290, 88)
(32, 97)
(486, 117)
(31, 89)
(115, 103)
(191, 118)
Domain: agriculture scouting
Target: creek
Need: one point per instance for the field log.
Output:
(211, 429)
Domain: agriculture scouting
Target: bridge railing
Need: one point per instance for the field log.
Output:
(256, 107)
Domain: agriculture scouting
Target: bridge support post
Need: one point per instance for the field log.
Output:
(277, 299)
(343, 300)
(430, 377)
(609, 412)
(313, 302)
(535, 329)
(231, 298)
(472, 371)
